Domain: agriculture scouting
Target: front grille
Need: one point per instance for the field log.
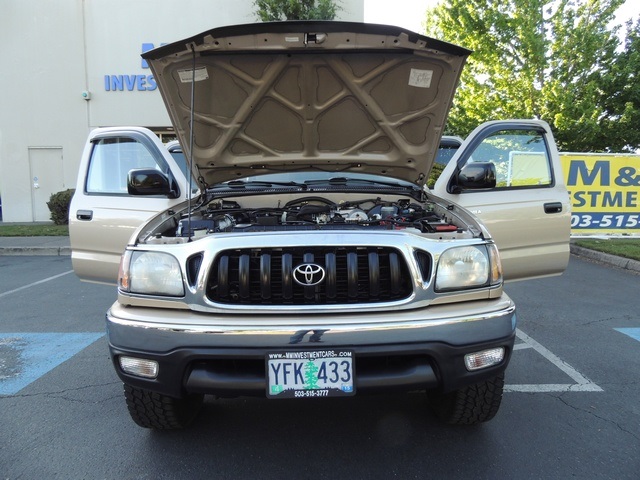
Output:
(267, 276)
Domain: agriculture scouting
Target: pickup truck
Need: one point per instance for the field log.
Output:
(291, 249)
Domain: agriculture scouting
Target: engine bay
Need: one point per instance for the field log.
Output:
(314, 213)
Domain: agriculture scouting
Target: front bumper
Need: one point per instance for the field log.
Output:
(225, 354)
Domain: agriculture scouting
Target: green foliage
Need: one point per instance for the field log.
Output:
(434, 174)
(34, 230)
(619, 125)
(621, 247)
(276, 10)
(59, 206)
(556, 61)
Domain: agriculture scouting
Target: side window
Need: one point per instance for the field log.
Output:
(446, 153)
(180, 159)
(520, 157)
(111, 160)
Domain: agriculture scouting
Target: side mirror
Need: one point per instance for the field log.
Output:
(474, 176)
(149, 181)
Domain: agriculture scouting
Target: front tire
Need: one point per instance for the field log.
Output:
(161, 412)
(470, 405)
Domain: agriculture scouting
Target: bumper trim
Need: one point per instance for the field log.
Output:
(416, 375)
(241, 372)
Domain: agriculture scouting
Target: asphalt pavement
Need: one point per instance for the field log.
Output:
(570, 408)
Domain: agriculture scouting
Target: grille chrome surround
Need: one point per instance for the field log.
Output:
(420, 253)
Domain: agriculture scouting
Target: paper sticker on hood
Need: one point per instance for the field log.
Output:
(197, 75)
(266, 98)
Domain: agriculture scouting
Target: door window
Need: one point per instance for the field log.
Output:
(520, 157)
(110, 163)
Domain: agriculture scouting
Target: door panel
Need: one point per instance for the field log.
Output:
(527, 212)
(103, 216)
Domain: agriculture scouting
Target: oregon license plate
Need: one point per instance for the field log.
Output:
(310, 374)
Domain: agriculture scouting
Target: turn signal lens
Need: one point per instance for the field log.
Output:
(496, 265)
(483, 359)
(123, 272)
(139, 367)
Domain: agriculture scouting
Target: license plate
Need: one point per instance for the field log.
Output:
(310, 374)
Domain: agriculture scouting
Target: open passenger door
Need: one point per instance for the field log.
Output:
(525, 206)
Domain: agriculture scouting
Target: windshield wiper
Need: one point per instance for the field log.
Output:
(356, 181)
(260, 183)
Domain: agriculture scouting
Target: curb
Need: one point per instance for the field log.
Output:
(612, 260)
(35, 251)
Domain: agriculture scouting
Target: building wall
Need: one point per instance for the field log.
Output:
(75, 67)
(40, 104)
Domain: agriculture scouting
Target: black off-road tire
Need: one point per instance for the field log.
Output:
(470, 405)
(161, 412)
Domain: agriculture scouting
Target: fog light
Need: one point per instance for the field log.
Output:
(139, 367)
(484, 359)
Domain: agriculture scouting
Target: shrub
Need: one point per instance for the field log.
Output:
(436, 171)
(59, 206)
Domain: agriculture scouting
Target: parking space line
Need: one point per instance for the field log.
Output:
(583, 384)
(35, 283)
(25, 357)
(631, 332)
(553, 387)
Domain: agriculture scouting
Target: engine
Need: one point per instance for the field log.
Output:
(313, 213)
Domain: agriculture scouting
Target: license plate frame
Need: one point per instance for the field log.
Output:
(310, 373)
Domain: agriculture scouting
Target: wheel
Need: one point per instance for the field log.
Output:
(161, 412)
(470, 405)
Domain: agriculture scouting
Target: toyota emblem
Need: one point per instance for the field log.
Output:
(308, 274)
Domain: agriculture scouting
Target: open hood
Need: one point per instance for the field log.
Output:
(292, 96)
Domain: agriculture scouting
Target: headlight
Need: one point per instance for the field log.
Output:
(463, 267)
(151, 273)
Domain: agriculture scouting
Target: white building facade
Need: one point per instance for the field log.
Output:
(73, 65)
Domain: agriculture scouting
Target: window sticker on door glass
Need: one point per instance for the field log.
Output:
(200, 74)
(420, 78)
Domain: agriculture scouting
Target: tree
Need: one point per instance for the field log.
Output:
(276, 10)
(621, 96)
(553, 60)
